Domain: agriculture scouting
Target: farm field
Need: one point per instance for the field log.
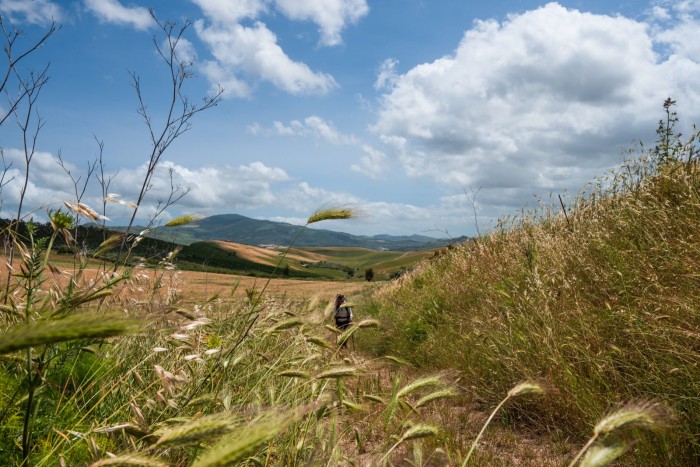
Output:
(333, 262)
(196, 286)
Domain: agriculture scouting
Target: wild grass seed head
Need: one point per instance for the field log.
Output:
(602, 454)
(645, 415)
(331, 214)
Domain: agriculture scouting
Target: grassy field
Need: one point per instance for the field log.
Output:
(553, 340)
(384, 262)
(194, 286)
(601, 306)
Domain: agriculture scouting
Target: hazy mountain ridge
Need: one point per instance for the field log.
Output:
(241, 229)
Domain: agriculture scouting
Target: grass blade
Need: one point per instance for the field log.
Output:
(23, 336)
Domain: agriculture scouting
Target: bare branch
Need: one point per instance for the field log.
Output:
(5, 169)
(177, 192)
(472, 200)
(31, 88)
(180, 111)
(10, 35)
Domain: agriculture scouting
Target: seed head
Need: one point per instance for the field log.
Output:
(527, 387)
(646, 415)
(331, 214)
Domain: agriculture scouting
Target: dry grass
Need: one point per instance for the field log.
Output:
(267, 256)
(602, 307)
(195, 286)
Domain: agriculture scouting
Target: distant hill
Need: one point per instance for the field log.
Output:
(240, 229)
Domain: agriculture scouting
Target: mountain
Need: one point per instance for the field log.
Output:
(240, 229)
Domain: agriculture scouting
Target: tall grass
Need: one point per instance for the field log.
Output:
(602, 306)
(599, 305)
(201, 384)
(285, 401)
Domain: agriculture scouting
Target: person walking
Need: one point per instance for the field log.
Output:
(342, 315)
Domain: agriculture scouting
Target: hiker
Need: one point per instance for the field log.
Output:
(342, 315)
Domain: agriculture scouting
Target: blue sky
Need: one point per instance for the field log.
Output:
(399, 108)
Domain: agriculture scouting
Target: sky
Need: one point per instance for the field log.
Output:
(427, 117)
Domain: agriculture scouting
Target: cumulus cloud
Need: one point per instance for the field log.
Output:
(245, 53)
(676, 25)
(44, 189)
(228, 12)
(212, 188)
(33, 12)
(331, 16)
(386, 78)
(373, 162)
(254, 51)
(111, 11)
(326, 131)
(542, 101)
(216, 189)
(306, 198)
(377, 217)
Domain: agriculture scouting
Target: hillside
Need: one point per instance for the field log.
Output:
(328, 263)
(225, 257)
(240, 229)
(601, 307)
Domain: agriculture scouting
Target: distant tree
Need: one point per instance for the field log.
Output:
(369, 275)
(397, 274)
(285, 271)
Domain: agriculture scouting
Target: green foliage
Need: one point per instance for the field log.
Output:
(37, 335)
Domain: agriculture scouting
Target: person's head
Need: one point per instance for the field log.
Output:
(339, 299)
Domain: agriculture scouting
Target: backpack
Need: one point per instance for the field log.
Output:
(342, 315)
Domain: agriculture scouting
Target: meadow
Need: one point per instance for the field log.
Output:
(558, 338)
(568, 335)
(596, 299)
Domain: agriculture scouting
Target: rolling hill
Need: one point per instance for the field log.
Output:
(240, 229)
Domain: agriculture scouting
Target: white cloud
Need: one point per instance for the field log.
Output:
(677, 27)
(290, 130)
(33, 12)
(212, 188)
(386, 78)
(540, 102)
(216, 189)
(111, 11)
(249, 53)
(44, 188)
(685, 6)
(229, 12)
(373, 163)
(219, 75)
(304, 197)
(330, 15)
(327, 131)
(378, 217)
(184, 51)
(683, 39)
(660, 13)
(255, 52)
